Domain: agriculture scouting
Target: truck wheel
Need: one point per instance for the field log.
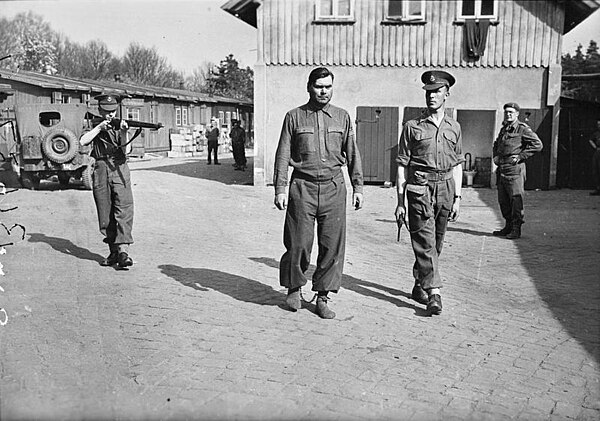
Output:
(63, 178)
(29, 181)
(60, 145)
(86, 175)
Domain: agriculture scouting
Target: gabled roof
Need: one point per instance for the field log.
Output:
(95, 87)
(575, 11)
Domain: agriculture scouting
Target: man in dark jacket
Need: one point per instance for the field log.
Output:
(212, 137)
(515, 143)
(238, 143)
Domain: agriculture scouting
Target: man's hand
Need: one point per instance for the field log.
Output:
(104, 125)
(357, 200)
(124, 125)
(514, 159)
(281, 201)
(401, 215)
(497, 160)
(455, 212)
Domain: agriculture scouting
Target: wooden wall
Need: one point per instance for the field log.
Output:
(528, 34)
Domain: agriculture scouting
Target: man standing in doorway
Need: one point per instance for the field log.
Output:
(317, 139)
(212, 137)
(515, 143)
(429, 185)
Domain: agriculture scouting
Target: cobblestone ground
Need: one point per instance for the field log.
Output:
(197, 328)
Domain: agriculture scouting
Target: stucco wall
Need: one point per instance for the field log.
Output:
(281, 88)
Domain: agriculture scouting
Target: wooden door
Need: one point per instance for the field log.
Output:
(377, 138)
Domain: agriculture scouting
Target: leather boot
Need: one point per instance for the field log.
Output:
(293, 299)
(504, 231)
(322, 310)
(419, 295)
(514, 233)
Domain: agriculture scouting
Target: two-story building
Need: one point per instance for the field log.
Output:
(498, 50)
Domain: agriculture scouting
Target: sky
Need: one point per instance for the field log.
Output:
(188, 33)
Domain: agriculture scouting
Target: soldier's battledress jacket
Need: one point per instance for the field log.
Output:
(517, 139)
(317, 143)
(426, 148)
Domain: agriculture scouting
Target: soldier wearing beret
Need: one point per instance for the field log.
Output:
(111, 181)
(515, 143)
(429, 185)
(317, 139)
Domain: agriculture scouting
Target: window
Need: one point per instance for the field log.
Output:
(405, 10)
(66, 99)
(476, 9)
(334, 9)
(49, 118)
(221, 118)
(178, 116)
(228, 118)
(133, 114)
(184, 116)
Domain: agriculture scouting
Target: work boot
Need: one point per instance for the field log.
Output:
(124, 260)
(419, 294)
(110, 260)
(293, 299)
(504, 231)
(322, 310)
(434, 305)
(514, 233)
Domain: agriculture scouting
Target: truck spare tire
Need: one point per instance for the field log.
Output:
(60, 145)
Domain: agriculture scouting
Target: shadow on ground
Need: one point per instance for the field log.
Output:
(65, 246)
(560, 250)
(198, 168)
(359, 286)
(237, 287)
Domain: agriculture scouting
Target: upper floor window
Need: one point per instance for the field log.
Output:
(405, 10)
(334, 9)
(477, 9)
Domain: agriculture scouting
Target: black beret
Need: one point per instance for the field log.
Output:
(512, 105)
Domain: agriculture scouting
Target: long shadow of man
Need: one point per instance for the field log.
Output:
(65, 246)
(237, 287)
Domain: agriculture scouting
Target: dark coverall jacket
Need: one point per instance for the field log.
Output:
(112, 189)
(238, 141)
(212, 137)
(316, 143)
(430, 154)
(516, 139)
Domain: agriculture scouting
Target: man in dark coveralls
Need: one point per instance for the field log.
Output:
(212, 137)
(111, 181)
(429, 185)
(238, 143)
(317, 139)
(515, 143)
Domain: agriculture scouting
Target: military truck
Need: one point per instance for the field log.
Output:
(47, 137)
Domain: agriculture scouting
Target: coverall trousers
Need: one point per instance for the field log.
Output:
(511, 187)
(213, 147)
(429, 207)
(114, 200)
(325, 203)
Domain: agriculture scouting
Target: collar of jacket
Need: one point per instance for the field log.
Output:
(313, 109)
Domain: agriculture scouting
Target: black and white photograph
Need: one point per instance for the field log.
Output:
(300, 210)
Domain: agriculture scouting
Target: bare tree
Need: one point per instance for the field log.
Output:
(145, 65)
(30, 41)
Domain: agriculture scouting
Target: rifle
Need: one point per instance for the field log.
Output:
(116, 124)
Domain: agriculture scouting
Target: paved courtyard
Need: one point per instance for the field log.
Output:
(197, 328)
